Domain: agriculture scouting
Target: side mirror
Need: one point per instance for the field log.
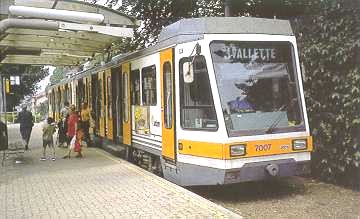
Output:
(188, 72)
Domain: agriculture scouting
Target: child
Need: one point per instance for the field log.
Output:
(76, 144)
(48, 132)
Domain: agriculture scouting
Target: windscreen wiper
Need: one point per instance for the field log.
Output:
(278, 119)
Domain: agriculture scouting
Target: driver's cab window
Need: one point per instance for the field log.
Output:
(196, 101)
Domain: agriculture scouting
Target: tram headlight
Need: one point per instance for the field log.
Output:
(237, 150)
(299, 144)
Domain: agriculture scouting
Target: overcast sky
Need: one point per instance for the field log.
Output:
(46, 80)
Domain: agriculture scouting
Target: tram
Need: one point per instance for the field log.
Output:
(217, 100)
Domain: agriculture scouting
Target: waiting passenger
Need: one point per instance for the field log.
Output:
(85, 122)
(65, 111)
(72, 123)
(25, 119)
(48, 132)
(62, 126)
(76, 144)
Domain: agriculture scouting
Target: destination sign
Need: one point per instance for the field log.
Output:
(245, 52)
(259, 54)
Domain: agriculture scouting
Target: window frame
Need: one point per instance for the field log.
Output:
(181, 95)
(168, 118)
(133, 77)
(149, 70)
(125, 99)
(109, 96)
(295, 79)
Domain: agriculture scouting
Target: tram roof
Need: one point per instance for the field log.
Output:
(35, 32)
(225, 25)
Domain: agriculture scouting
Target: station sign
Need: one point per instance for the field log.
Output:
(14, 80)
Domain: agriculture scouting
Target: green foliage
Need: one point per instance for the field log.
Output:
(11, 117)
(330, 52)
(29, 77)
(57, 75)
(156, 14)
(283, 9)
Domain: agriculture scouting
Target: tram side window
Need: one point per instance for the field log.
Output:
(78, 95)
(196, 101)
(65, 95)
(148, 75)
(57, 100)
(109, 92)
(135, 87)
(53, 102)
(168, 89)
(100, 98)
(70, 94)
(125, 98)
(62, 98)
(86, 91)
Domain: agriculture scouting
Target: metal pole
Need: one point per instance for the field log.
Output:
(56, 14)
(1, 98)
(4, 98)
(227, 5)
(35, 110)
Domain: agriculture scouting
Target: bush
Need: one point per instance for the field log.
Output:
(11, 117)
(330, 53)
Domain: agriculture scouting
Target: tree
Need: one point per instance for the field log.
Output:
(57, 75)
(281, 9)
(29, 77)
(330, 52)
(156, 14)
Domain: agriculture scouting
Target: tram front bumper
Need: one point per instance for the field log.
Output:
(193, 175)
(267, 170)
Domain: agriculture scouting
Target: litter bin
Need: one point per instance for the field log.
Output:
(3, 137)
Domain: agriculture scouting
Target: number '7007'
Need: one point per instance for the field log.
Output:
(262, 147)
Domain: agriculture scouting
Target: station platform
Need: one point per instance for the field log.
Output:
(99, 185)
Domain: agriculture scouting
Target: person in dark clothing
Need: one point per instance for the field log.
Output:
(3, 136)
(25, 119)
(62, 125)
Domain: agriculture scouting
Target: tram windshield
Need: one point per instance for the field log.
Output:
(257, 86)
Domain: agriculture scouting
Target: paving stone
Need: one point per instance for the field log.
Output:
(96, 186)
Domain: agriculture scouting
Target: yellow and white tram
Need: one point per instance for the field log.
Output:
(215, 101)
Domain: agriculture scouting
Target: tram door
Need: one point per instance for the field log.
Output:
(63, 96)
(88, 93)
(126, 104)
(108, 106)
(95, 101)
(101, 101)
(167, 105)
(117, 97)
(80, 93)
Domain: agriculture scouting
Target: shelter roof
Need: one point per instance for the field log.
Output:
(58, 32)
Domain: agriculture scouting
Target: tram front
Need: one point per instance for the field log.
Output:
(263, 108)
(241, 104)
